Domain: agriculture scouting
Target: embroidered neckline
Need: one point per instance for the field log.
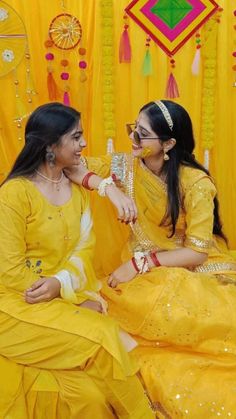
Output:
(159, 180)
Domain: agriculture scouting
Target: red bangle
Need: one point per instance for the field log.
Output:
(134, 264)
(153, 256)
(86, 179)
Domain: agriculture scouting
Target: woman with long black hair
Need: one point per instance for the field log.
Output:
(174, 287)
(60, 356)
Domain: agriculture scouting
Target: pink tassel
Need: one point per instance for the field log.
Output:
(172, 90)
(196, 62)
(66, 99)
(125, 47)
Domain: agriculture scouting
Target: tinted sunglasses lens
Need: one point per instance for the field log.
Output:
(136, 137)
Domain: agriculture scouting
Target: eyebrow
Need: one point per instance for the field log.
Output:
(140, 126)
(77, 132)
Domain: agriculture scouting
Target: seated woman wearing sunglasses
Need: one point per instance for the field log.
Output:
(174, 290)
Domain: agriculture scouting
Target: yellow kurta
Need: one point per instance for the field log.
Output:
(183, 319)
(58, 360)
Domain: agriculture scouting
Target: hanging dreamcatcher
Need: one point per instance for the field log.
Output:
(65, 34)
(13, 48)
(170, 24)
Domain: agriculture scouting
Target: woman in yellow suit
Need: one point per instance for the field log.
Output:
(174, 288)
(61, 357)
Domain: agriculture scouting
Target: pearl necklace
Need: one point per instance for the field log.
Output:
(51, 180)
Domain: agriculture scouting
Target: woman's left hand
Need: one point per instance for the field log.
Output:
(45, 289)
(124, 273)
(127, 210)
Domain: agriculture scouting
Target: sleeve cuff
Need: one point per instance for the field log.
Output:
(67, 291)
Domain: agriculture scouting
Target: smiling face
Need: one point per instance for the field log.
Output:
(150, 144)
(69, 149)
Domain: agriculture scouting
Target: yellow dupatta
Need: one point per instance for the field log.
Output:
(195, 223)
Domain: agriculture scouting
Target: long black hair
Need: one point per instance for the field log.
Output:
(45, 126)
(180, 154)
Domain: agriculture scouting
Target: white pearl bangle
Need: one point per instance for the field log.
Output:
(103, 184)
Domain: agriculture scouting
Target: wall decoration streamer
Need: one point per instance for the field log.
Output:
(234, 52)
(209, 89)
(107, 25)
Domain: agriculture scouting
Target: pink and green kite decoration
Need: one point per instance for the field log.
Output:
(170, 23)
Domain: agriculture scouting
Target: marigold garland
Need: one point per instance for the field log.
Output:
(107, 24)
(209, 87)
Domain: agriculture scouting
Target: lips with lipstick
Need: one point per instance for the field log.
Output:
(144, 151)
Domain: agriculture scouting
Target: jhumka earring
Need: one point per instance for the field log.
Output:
(166, 156)
(50, 156)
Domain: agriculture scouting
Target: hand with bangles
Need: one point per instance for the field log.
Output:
(126, 208)
(140, 263)
(125, 273)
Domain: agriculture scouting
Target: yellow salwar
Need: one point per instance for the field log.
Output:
(183, 319)
(57, 359)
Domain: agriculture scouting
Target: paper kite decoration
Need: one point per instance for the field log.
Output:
(170, 23)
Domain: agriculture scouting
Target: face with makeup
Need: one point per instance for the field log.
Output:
(149, 144)
(69, 149)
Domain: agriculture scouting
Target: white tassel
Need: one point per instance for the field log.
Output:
(110, 146)
(206, 159)
(196, 62)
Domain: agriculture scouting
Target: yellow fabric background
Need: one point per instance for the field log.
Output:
(131, 89)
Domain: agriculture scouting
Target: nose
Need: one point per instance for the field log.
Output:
(131, 135)
(82, 142)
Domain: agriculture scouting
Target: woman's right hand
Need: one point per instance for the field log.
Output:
(92, 305)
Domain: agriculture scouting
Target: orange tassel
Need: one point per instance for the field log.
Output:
(52, 87)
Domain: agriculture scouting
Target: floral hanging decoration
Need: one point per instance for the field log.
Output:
(65, 34)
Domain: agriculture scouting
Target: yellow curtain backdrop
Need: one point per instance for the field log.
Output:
(124, 90)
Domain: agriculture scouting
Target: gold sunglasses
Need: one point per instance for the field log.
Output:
(137, 138)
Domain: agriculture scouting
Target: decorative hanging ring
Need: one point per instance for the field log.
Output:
(65, 31)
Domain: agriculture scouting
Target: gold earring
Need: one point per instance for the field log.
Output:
(166, 157)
